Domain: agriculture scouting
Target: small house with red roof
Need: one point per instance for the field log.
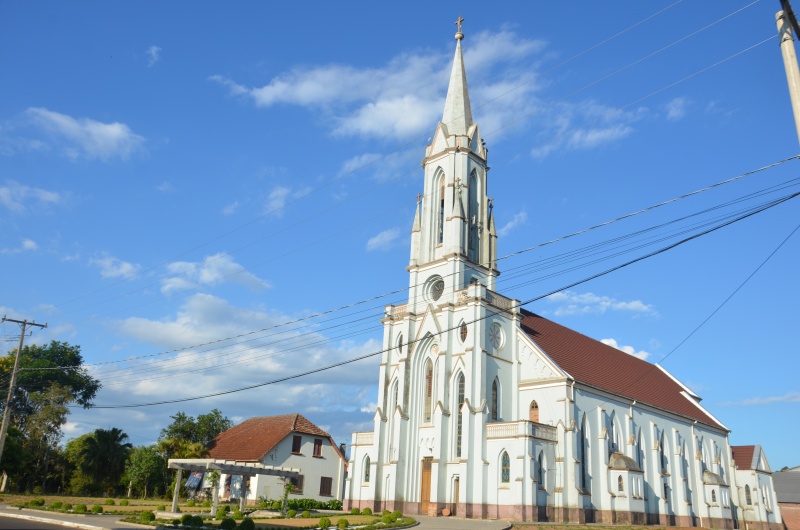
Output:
(752, 480)
(285, 441)
(487, 410)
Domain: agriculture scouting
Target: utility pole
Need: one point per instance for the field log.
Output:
(786, 21)
(12, 384)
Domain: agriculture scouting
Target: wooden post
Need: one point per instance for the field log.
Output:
(178, 478)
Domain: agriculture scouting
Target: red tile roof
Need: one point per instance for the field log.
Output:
(743, 455)
(252, 439)
(594, 363)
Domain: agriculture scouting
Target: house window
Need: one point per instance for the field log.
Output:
(534, 412)
(366, 470)
(505, 468)
(620, 484)
(747, 495)
(317, 447)
(297, 482)
(714, 496)
(297, 442)
(325, 486)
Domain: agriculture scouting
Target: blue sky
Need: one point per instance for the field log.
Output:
(184, 187)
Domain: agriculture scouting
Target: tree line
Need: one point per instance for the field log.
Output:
(102, 462)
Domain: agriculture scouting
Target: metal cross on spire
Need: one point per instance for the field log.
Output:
(458, 22)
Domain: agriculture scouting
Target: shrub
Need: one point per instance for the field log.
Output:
(57, 505)
(147, 517)
(389, 518)
(110, 502)
(36, 503)
(291, 514)
(206, 504)
(224, 508)
(66, 506)
(161, 507)
(97, 509)
(176, 522)
(123, 502)
(355, 511)
(277, 505)
(324, 523)
(366, 511)
(227, 524)
(79, 508)
(186, 519)
(342, 523)
(333, 504)
(397, 513)
(247, 524)
(196, 521)
(237, 514)
(190, 503)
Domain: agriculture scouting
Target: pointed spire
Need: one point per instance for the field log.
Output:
(457, 112)
(417, 218)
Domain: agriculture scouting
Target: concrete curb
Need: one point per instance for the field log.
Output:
(53, 521)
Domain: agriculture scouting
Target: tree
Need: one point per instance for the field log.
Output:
(201, 430)
(145, 471)
(42, 428)
(42, 366)
(103, 457)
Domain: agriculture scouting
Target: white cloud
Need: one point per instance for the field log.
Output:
(383, 241)
(153, 55)
(677, 108)
(20, 198)
(250, 357)
(213, 270)
(276, 201)
(519, 219)
(26, 245)
(630, 350)
(572, 303)
(396, 99)
(165, 187)
(111, 267)
(383, 167)
(790, 397)
(231, 208)
(86, 137)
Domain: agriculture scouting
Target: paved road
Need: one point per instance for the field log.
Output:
(13, 518)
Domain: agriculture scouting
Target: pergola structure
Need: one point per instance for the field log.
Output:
(229, 467)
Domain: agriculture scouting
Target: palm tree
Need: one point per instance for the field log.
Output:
(103, 456)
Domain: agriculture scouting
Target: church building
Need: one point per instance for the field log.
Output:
(486, 410)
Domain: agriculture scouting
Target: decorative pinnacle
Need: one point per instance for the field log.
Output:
(458, 22)
(419, 198)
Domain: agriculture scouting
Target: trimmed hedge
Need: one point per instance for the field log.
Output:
(227, 524)
(247, 524)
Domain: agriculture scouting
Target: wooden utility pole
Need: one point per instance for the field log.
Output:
(12, 384)
(786, 21)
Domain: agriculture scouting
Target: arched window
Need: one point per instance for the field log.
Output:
(613, 443)
(505, 468)
(534, 412)
(366, 470)
(541, 470)
(472, 217)
(495, 414)
(747, 495)
(459, 419)
(583, 454)
(620, 484)
(640, 451)
(662, 455)
(713, 495)
(428, 390)
(440, 206)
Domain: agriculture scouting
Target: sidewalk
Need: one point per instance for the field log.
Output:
(457, 523)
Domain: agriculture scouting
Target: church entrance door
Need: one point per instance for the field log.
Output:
(425, 485)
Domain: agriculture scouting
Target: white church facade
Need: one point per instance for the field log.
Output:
(486, 410)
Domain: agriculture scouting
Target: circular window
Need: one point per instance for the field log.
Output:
(435, 288)
(496, 336)
(463, 331)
